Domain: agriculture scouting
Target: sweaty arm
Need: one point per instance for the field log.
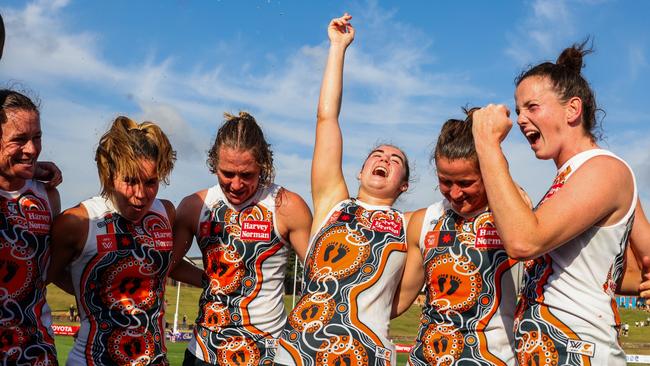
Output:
(413, 275)
(185, 226)
(327, 181)
(294, 221)
(637, 275)
(69, 234)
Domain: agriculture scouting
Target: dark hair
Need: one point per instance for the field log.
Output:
(124, 144)
(10, 99)
(407, 165)
(566, 78)
(243, 133)
(456, 140)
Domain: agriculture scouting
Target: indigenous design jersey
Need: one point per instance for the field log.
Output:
(119, 281)
(25, 320)
(470, 286)
(353, 268)
(241, 309)
(567, 314)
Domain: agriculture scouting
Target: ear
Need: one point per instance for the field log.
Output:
(359, 175)
(404, 187)
(573, 110)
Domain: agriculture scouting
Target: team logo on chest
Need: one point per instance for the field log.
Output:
(255, 230)
(439, 238)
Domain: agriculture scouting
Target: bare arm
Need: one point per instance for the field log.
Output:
(327, 181)
(185, 227)
(527, 234)
(640, 246)
(413, 275)
(294, 221)
(69, 233)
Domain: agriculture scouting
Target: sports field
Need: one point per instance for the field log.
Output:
(402, 329)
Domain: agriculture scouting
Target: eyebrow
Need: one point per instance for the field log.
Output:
(392, 155)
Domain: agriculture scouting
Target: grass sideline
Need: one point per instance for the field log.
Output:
(402, 329)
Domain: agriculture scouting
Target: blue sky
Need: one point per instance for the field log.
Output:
(412, 66)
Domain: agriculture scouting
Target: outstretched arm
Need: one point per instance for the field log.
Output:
(413, 275)
(327, 181)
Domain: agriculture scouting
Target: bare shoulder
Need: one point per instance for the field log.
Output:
(54, 198)
(289, 203)
(192, 204)
(170, 209)
(71, 223)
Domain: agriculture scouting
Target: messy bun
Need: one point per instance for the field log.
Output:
(566, 78)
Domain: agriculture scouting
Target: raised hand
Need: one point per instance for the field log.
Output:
(49, 173)
(340, 31)
(491, 124)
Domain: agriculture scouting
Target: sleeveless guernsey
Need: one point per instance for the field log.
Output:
(119, 281)
(354, 265)
(241, 309)
(470, 286)
(567, 314)
(25, 319)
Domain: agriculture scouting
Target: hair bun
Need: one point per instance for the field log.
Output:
(571, 57)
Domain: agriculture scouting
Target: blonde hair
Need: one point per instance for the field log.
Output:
(243, 133)
(124, 144)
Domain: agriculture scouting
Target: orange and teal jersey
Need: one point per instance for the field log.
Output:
(567, 314)
(354, 265)
(241, 308)
(119, 281)
(471, 292)
(25, 334)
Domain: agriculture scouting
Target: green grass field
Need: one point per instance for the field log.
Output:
(402, 329)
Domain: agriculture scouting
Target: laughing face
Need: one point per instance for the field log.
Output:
(384, 172)
(461, 184)
(20, 146)
(541, 116)
(133, 196)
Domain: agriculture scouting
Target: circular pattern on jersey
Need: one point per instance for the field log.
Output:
(533, 349)
(12, 338)
(17, 270)
(312, 313)
(343, 351)
(215, 316)
(225, 269)
(126, 287)
(338, 253)
(238, 351)
(131, 346)
(443, 344)
(453, 284)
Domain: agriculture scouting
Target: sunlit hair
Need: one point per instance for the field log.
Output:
(456, 140)
(567, 80)
(13, 100)
(124, 144)
(243, 133)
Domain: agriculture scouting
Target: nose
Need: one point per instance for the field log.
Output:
(455, 193)
(236, 183)
(30, 148)
(138, 191)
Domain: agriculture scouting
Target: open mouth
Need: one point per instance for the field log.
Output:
(380, 171)
(532, 136)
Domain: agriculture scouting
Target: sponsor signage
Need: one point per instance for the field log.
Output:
(488, 238)
(67, 330)
(387, 226)
(255, 230)
(439, 238)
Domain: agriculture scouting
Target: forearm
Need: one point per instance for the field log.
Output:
(187, 273)
(329, 103)
(514, 219)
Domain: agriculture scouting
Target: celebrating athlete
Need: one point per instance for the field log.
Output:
(27, 208)
(575, 239)
(117, 248)
(244, 226)
(358, 249)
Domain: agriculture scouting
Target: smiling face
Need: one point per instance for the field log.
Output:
(133, 196)
(20, 146)
(542, 117)
(238, 174)
(461, 184)
(384, 172)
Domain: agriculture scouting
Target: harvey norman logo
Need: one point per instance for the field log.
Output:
(387, 226)
(581, 347)
(253, 230)
(488, 238)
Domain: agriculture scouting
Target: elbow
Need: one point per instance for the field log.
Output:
(521, 251)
